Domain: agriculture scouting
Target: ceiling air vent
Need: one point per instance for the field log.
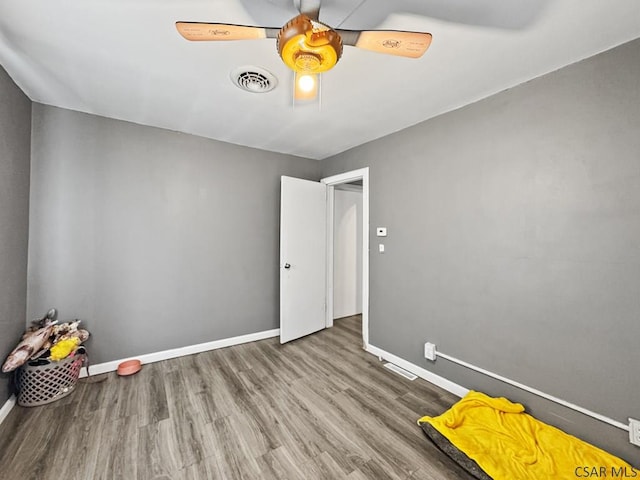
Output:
(254, 79)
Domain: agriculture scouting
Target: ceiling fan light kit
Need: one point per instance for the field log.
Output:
(308, 46)
(306, 88)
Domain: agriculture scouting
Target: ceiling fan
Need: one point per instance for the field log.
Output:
(310, 47)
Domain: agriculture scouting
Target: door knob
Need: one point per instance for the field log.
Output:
(286, 265)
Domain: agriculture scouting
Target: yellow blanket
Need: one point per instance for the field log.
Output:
(512, 445)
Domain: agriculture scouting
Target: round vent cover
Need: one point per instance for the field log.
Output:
(254, 79)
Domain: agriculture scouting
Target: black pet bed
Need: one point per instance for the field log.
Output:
(454, 453)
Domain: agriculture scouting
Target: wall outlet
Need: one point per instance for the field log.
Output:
(429, 351)
(634, 431)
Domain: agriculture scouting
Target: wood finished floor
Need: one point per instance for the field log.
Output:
(316, 408)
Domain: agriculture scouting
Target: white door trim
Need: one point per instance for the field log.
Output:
(331, 182)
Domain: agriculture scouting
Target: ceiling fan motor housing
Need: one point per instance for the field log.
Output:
(309, 47)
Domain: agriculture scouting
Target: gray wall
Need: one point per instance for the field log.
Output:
(514, 241)
(155, 239)
(15, 140)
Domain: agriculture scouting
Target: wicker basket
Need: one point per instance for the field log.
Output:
(42, 384)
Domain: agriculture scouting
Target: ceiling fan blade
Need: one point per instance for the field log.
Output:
(391, 42)
(198, 31)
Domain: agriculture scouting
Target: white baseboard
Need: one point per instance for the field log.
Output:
(423, 373)
(182, 351)
(158, 356)
(6, 408)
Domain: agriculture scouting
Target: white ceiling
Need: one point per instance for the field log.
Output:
(124, 59)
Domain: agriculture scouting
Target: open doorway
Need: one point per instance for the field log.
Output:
(347, 250)
(348, 222)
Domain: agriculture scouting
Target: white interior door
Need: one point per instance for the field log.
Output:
(303, 244)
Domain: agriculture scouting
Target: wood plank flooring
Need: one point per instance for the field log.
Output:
(316, 408)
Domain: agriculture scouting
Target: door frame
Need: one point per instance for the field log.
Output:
(331, 182)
